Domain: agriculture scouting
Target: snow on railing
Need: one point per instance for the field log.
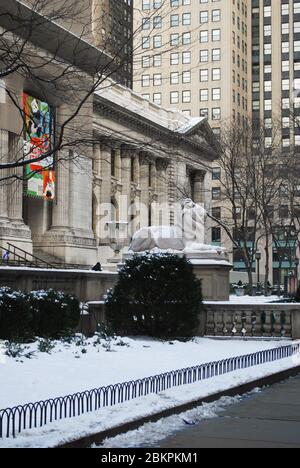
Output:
(33, 415)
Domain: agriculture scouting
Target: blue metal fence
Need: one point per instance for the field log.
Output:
(33, 415)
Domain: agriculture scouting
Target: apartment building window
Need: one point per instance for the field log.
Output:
(216, 35)
(157, 22)
(216, 74)
(146, 42)
(186, 96)
(186, 19)
(216, 113)
(157, 98)
(174, 21)
(216, 235)
(216, 212)
(186, 38)
(146, 24)
(174, 97)
(145, 81)
(146, 5)
(186, 77)
(174, 39)
(186, 57)
(174, 59)
(216, 193)
(203, 56)
(203, 36)
(216, 94)
(216, 55)
(203, 17)
(204, 95)
(157, 60)
(157, 42)
(216, 15)
(203, 75)
(216, 173)
(146, 61)
(174, 78)
(157, 79)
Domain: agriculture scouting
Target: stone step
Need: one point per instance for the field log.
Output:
(55, 261)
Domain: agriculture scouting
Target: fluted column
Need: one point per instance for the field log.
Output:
(105, 174)
(4, 149)
(126, 184)
(199, 187)
(136, 168)
(118, 164)
(162, 187)
(61, 205)
(15, 188)
(145, 204)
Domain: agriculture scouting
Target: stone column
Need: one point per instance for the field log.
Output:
(126, 184)
(153, 176)
(162, 187)
(199, 187)
(136, 169)
(61, 204)
(97, 159)
(3, 183)
(15, 189)
(145, 195)
(118, 163)
(105, 206)
(105, 174)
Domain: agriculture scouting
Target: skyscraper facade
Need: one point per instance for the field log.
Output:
(230, 61)
(194, 56)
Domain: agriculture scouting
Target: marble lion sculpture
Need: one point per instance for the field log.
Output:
(184, 238)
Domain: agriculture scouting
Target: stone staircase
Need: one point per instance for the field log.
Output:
(55, 261)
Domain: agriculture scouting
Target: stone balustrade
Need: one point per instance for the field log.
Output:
(253, 320)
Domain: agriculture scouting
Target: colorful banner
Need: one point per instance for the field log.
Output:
(40, 175)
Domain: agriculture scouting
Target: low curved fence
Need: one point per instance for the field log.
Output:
(34, 415)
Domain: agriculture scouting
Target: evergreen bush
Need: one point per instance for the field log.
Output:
(47, 314)
(15, 315)
(156, 295)
(54, 313)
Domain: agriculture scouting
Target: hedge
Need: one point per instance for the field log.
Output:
(47, 314)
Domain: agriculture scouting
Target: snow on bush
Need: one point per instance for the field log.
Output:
(156, 295)
(47, 314)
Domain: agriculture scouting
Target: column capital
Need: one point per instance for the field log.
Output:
(200, 175)
(162, 164)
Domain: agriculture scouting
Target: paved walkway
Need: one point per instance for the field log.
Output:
(270, 419)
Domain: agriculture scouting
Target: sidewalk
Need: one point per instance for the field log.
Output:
(270, 419)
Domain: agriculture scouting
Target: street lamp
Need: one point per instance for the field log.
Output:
(258, 259)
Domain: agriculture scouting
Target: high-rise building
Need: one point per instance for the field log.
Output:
(229, 60)
(194, 56)
(113, 31)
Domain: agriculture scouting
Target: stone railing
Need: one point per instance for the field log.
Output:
(252, 320)
(227, 320)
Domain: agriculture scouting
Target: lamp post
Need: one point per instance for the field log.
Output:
(258, 259)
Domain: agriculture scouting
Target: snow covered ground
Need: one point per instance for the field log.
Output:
(65, 431)
(248, 300)
(72, 368)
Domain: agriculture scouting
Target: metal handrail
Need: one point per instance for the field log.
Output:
(19, 257)
(36, 261)
(38, 414)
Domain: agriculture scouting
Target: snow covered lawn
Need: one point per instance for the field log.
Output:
(72, 368)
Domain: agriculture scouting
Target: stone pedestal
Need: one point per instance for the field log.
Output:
(214, 276)
(213, 269)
